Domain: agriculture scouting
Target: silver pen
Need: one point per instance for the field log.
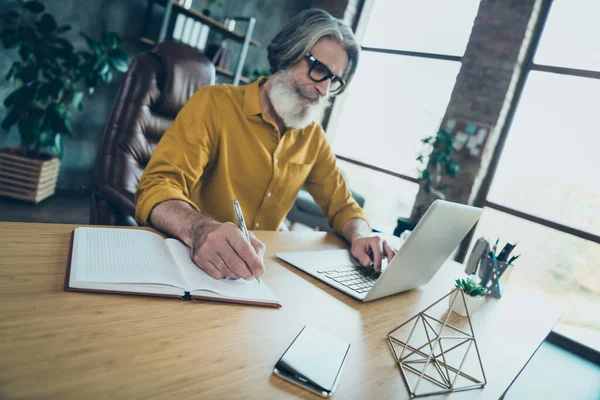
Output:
(241, 223)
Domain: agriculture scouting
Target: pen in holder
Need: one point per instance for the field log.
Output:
(493, 273)
(494, 268)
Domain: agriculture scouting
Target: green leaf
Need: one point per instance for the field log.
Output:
(59, 119)
(118, 60)
(102, 67)
(8, 32)
(77, 99)
(9, 15)
(58, 147)
(34, 6)
(30, 124)
(11, 119)
(111, 40)
(47, 24)
(63, 29)
(46, 138)
(94, 46)
(91, 81)
(67, 97)
(25, 52)
(28, 34)
(107, 77)
(20, 98)
(63, 48)
(28, 73)
(12, 70)
(11, 42)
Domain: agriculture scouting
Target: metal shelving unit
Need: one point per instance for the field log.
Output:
(172, 8)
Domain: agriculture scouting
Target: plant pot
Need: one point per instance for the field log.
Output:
(27, 178)
(473, 304)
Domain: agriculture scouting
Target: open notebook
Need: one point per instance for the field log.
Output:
(134, 261)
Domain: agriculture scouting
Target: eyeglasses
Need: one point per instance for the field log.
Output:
(319, 72)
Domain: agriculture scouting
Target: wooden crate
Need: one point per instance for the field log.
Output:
(27, 178)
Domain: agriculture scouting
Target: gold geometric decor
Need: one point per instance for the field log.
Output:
(436, 350)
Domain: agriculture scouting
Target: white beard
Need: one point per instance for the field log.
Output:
(289, 102)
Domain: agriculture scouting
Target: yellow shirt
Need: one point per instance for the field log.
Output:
(221, 147)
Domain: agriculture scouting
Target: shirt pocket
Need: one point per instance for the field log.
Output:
(294, 178)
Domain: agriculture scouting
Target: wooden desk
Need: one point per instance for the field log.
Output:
(55, 344)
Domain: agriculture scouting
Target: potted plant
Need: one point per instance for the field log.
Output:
(474, 297)
(49, 77)
(436, 165)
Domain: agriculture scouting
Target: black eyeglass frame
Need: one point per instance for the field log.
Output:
(329, 75)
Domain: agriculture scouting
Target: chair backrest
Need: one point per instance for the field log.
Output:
(156, 87)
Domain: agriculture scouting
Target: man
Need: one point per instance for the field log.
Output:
(258, 144)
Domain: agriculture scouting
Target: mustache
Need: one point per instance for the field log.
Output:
(307, 93)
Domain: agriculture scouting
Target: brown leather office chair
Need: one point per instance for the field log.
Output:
(156, 87)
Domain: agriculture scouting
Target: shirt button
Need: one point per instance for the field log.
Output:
(269, 194)
(256, 225)
(276, 160)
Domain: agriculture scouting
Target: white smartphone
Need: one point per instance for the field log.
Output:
(314, 361)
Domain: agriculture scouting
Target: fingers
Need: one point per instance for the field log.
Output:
(212, 270)
(225, 252)
(259, 247)
(372, 250)
(375, 245)
(223, 268)
(251, 261)
(389, 251)
(360, 252)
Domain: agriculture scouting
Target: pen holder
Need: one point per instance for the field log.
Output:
(493, 274)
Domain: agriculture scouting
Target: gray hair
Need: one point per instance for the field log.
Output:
(303, 31)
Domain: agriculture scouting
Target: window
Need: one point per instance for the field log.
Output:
(545, 193)
(564, 266)
(387, 112)
(570, 38)
(393, 197)
(430, 26)
(410, 58)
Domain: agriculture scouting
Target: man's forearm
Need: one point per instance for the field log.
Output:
(354, 228)
(179, 219)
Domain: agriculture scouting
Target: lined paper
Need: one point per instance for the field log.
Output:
(109, 255)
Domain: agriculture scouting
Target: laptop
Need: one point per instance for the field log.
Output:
(436, 236)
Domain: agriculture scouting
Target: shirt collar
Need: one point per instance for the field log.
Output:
(252, 97)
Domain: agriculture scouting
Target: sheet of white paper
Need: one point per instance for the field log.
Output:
(110, 255)
(197, 279)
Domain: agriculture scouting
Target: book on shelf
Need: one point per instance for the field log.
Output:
(141, 262)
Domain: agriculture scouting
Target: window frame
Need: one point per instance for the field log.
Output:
(332, 119)
(529, 65)
(481, 200)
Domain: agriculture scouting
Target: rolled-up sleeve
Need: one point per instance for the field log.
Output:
(179, 158)
(328, 187)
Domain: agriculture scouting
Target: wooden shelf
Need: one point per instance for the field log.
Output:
(230, 74)
(213, 24)
(146, 41)
(219, 70)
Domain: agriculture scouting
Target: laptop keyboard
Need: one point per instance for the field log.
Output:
(359, 279)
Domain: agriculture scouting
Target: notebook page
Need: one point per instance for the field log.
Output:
(197, 279)
(110, 255)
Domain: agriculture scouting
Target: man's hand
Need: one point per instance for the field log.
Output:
(367, 248)
(371, 250)
(221, 250)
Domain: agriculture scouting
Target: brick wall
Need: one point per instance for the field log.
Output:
(492, 64)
